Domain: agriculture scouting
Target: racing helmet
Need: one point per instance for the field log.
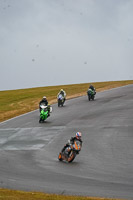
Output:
(61, 91)
(78, 135)
(44, 97)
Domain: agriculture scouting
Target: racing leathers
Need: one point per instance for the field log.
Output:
(45, 102)
(70, 142)
(92, 88)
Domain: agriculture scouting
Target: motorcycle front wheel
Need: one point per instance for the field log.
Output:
(60, 157)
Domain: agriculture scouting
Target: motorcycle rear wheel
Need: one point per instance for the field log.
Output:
(72, 157)
(89, 98)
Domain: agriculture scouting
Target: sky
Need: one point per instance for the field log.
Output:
(61, 42)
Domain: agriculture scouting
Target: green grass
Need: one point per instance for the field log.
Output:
(16, 102)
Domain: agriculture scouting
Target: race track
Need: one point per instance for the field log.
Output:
(104, 167)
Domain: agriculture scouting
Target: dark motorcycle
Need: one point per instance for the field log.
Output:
(70, 152)
(61, 100)
(91, 94)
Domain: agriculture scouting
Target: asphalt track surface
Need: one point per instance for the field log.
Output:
(104, 167)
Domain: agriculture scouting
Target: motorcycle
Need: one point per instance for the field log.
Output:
(91, 94)
(61, 100)
(44, 112)
(70, 152)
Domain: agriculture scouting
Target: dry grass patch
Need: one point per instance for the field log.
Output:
(6, 194)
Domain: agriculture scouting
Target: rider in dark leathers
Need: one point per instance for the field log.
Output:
(45, 102)
(77, 137)
(92, 88)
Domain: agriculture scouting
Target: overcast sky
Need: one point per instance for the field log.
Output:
(55, 42)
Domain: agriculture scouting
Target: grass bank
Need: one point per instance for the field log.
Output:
(20, 195)
(17, 102)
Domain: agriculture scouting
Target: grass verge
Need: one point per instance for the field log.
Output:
(17, 102)
(6, 194)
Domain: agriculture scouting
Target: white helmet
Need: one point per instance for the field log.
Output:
(78, 135)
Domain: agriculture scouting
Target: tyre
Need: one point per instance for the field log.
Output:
(93, 97)
(71, 157)
(58, 103)
(60, 157)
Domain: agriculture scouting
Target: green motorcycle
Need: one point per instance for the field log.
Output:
(45, 112)
(91, 94)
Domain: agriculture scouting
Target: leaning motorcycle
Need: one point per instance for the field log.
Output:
(70, 152)
(91, 94)
(60, 100)
(44, 112)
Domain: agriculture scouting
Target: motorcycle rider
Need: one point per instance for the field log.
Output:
(63, 93)
(72, 140)
(45, 102)
(92, 88)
